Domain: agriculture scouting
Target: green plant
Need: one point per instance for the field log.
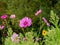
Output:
(53, 34)
(29, 40)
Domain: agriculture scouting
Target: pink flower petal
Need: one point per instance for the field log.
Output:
(38, 12)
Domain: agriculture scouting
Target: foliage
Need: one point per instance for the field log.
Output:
(36, 32)
(53, 34)
(29, 40)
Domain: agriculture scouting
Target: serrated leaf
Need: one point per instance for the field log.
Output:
(53, 18)
(9, 31)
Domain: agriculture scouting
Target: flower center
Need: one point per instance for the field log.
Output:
(25, 22)
(44, 32)
(15, 39)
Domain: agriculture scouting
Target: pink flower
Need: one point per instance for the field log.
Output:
(24, 39)
(44, 19)
(25, 22)
(1, 27)
(12, 16)
(15, 38)
(38, 12)
(4, 16)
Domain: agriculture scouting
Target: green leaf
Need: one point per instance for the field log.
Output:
(53, 18)
(9, 31)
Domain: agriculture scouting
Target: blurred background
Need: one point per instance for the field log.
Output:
(28, 7)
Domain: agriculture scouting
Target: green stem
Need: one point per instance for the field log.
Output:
(23, 31)
(57, 32)
(12, 21)
(42, 26)
(6, 23)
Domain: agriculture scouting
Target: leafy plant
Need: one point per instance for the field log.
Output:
(53, 34)
(28, 41)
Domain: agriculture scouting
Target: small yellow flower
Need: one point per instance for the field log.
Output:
(44, 32)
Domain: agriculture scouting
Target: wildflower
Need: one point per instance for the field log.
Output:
(37, 39)
(44, 32)
(38, 12)
(24, 39)
(25, 22)
(12, 16)
(44, 19)
(4, 16)
(15, 38)
(1, 27)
